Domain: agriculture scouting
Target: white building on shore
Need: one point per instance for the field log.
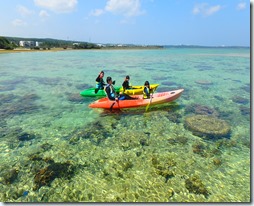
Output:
(29, 44)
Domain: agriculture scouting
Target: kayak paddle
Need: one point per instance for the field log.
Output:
(147, 106)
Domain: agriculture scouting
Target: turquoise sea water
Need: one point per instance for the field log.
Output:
(54, 148)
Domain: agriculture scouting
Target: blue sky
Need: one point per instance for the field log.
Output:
(149, 22)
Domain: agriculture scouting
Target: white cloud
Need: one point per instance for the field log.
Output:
(127, 8)
(124, 7)
(24, 11)
(97, 12)
(18, 22)
(58, 6)
(43, 14)
(241, 6)
(205, 9)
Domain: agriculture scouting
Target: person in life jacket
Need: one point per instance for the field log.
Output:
(111, 93)
(147, 90)
(126, 83)
(99, 82)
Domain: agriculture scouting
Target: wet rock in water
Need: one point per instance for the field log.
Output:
(46, 146)
(199, 148)
(195, 185)
(23, 105)
(162, 89)
(10, 176)
(173, 116)
(7, 98)
(26, 136)
(75, 97)
(178, 140)
(83, 86)
(96, 132)
(4, 88)
(143, 142)
(29, 98)
(55, 170)
(49, 81)
(219, 98)
(168, 83)
(200, 109)
(217, 161)
(164, 168)
(246, 88)
(240, 100)
(208, 127)
(245, 110)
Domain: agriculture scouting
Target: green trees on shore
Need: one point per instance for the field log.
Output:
(6, 44)
(46, 43)
(85, 45)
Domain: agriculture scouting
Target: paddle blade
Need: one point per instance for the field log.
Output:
(147, 106)
(111, 107)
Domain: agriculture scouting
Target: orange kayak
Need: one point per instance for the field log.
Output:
(157, 98)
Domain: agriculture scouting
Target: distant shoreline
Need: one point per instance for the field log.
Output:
(3, 51)
(20, 50)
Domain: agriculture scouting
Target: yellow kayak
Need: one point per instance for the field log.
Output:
(135, 90)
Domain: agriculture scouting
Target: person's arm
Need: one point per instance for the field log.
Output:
(98, 79)
(124, 86)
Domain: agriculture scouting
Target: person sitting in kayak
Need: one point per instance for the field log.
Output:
(126, 83)
(147, 90)
(99, 82)
(111, 93)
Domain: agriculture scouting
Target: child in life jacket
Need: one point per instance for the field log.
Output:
(111, 93)
(126, 83)
(147, 90)
(99, 82)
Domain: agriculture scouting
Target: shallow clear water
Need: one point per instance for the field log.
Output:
(55, 148)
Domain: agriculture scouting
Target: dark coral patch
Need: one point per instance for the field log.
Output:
(200, 109)
(74, 97)
(240, 100)
(83, 86)
(7, 98)
(26, 136)
(45, 176)
(246, 88)
(196, 186)
(245, 111)
(204, 82)
(10, 176)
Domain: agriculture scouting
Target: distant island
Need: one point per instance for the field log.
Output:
(31, 44)
(11, 43)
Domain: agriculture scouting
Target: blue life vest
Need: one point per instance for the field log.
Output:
(112, 91)
(144, 93)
